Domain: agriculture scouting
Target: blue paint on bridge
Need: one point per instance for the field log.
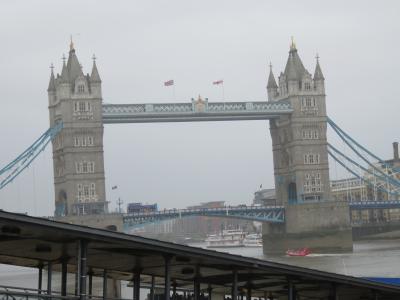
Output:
(374, 205)
(272, 214)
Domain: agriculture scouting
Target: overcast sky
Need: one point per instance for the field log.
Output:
(141, 44)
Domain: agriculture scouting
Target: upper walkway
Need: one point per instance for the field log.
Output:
(197, 110)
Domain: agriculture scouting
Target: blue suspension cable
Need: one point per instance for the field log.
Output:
(358, 176)
(342, 135)
(358, 165)
(23, 161)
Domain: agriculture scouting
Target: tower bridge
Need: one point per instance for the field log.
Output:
(306, 213)
(296, 112)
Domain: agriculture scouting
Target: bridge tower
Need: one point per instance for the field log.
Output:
(299, 145)
(75, 99)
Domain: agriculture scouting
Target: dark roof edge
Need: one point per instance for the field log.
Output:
(172, 248)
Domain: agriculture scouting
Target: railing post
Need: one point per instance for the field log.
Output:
(136, 284)
(248, 295)
(90, 284)
(209, 291)
(83, 270)
(49, 276)
(167, 276)
(64, 270)
(40, 278)
(290, 290)
(153, 283)
(234, 284)
(104, 284)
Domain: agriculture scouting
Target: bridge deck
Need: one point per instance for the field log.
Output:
(195, 111)
(34, 242)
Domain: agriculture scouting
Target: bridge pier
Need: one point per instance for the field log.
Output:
(322, 226)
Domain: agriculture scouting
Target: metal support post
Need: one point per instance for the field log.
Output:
(83, 269)
(196, 288)
(78, 270)
(90, 284)
(290, 290)
(174, 290)
(167, 277)
(153, 283)
(136, 285)
(49, 276)
(105, 284)
(209, 291)
(64, 272)
(40, 278)
(234, 284)
(248, 295)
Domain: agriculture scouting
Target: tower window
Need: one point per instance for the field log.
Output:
(307, 86)
(81, 88)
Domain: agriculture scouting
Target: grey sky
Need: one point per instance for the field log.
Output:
(140, 44)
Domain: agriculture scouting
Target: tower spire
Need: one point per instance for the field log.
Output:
(292, 44)
(71, 44)
(95, 77)
(52, 83)
(271, 79)
(318, 73)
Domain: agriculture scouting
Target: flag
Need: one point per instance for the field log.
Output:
(218, 81)
(169, 82)
(114, 187)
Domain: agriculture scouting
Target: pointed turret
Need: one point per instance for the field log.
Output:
(64, 72)
(73, 65)
(95, 80)
(318, 73)
(319, 79)
(294, 70)
(95, 77)
(272, 87)
(52, 82)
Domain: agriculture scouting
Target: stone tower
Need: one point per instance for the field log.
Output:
(299, 141)
(75, 100)
(299, 145)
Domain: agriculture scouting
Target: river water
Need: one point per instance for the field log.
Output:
(379, 258)
(369, 259)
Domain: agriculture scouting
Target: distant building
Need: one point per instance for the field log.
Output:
(211, 204)
(265, 197)
(138, 207)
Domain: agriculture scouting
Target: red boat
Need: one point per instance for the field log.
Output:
(298, 252)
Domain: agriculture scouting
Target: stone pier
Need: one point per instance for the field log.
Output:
(323, 227)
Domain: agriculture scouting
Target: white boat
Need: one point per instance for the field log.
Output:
(227, 239)
(253, 240)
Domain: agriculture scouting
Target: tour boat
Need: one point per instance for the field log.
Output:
(298, 252)
(227, 239)
(253, 240)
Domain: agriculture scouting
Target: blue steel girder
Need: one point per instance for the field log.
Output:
(197, 110)
(271, 214)
(374, 205)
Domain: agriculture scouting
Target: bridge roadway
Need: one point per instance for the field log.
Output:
(197, 110)
(272, 214)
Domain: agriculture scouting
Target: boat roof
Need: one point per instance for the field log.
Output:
(31, 242)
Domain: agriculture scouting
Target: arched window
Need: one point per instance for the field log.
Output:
(81, 88)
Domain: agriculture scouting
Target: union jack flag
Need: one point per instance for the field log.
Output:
(169, 82)
(218, 81)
